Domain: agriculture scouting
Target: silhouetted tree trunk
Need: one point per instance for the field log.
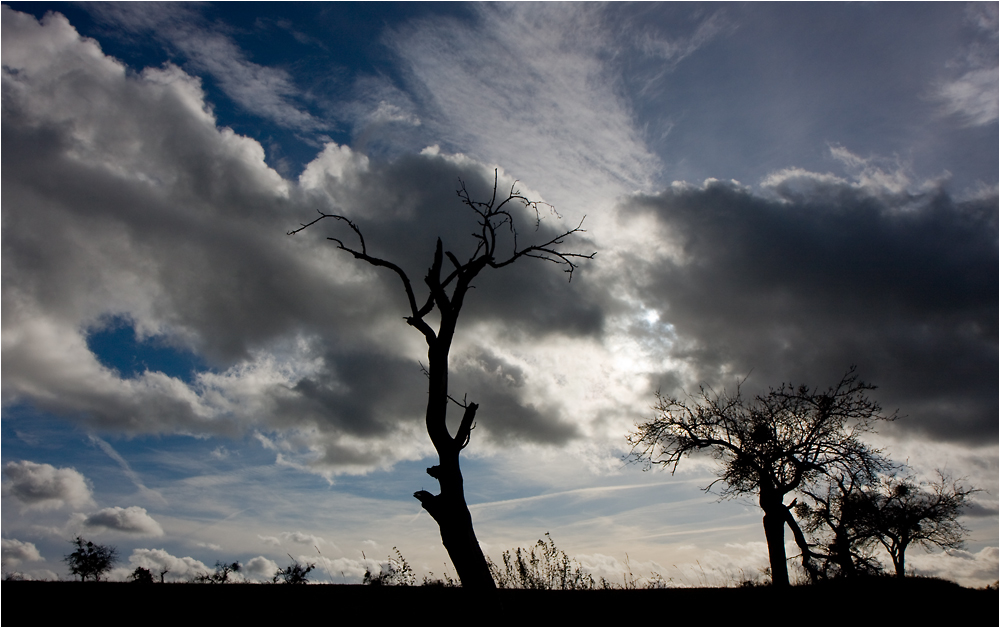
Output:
(774, 534)
(899, 563)
(448, 508)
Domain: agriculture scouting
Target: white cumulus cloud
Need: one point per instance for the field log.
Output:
(174, 568)
(45, 487)
(131, 520)
(16, 552)
(260, 568)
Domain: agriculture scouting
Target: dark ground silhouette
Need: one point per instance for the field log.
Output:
(869, 602)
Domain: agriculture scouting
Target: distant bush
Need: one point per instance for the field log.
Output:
(141, 575)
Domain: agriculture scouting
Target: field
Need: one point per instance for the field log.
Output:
(881, 602)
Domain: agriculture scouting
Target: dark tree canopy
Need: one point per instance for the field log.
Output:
(768, 446)
(91, 560)
(141, 575)
(448, 281)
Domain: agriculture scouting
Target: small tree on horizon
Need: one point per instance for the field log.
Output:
(141, 575)
(769, 446)
(90, 560)
(904, 511)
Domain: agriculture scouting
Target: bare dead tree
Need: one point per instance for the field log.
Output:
(768, 446)
(496, 225)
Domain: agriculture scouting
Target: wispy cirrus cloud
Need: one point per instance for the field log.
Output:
(264, 91)
(528, 88)
(972, 96)
(106, 447)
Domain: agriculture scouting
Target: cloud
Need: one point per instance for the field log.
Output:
(273, 541)
(132, 475)
(154, 215)
(734, 564)
(44, 487)
(260, 568)
(815, 273)
(972, 96)
(969, 569)
(344, 570)
(303, 538)
(159, 560)
(131, 520)
(527, 86)
(16, 552)
(268, 92)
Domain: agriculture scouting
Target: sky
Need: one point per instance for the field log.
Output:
(774, 192)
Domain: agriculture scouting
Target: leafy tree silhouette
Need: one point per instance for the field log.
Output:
(90, 560)
(141, 575)
(768, 446)
(496, 231)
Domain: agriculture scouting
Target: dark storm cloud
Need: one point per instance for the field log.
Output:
(402, 207)
(505, 415)
(364, 394)
(818, 274)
